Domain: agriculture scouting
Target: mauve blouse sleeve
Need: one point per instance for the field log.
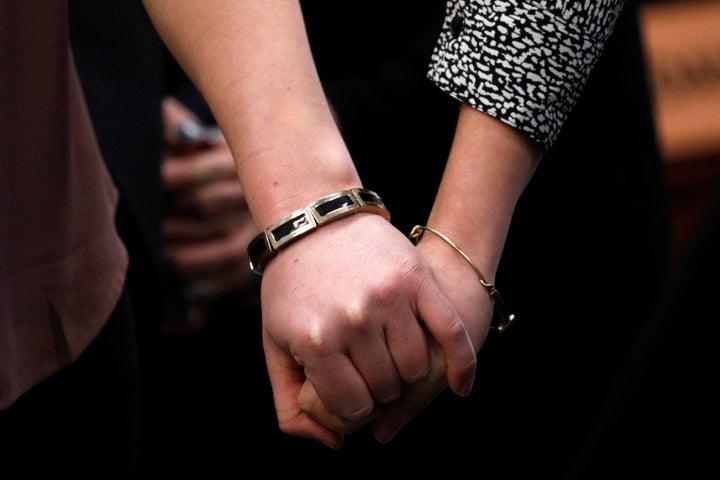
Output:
(62, 263)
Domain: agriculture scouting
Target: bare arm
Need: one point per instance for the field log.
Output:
(514, 103)
(341, 306)
(252, 62)
(488, 168)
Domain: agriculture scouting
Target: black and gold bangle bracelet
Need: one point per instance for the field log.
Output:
(304, 220)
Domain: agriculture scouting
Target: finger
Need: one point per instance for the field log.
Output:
(181, 126)
(305, 426)
(339, 385)
(408, 344)
(205, 288)
(415, 398)
(205, 200)
(194, 259)
(182, 229)
(194, 132)
(173, 114)
(198, 167)
(445, 325)
(371, 357)
(287, 378)
(310, 403)
(393, 417)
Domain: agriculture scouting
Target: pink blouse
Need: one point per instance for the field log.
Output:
(62, 264)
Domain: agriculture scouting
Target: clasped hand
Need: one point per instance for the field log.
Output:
(357, 330)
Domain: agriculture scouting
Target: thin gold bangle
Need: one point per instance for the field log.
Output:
(503, 319)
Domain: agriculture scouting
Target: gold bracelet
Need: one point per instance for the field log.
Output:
(503, 319)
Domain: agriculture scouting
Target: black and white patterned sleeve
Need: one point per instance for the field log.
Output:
(523, 62)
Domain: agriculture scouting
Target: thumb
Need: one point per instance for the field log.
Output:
(311, 404)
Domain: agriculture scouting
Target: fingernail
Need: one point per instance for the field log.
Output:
(334, 445)
(467, 388)
(384, 437)
(188, 131)
(193, 131)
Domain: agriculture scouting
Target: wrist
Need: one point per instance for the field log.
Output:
(484, 246)
(502, 317)
(303, 221)
(279, 180)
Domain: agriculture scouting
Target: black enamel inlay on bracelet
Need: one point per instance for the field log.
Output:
(335, 204)
(369, 197)
(288, 227)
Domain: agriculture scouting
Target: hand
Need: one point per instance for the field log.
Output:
(207, 224)
(346, 308)
(386, 420)
(461, 286)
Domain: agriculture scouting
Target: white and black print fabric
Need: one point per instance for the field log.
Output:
(523, 62)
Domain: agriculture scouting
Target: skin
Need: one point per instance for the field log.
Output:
(486, 156)
(348, 306)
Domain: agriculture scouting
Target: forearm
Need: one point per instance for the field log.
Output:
(252, 62)
(488, 168)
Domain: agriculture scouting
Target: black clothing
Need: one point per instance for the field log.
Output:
(83, 421)
(126, 71)
(661, 417)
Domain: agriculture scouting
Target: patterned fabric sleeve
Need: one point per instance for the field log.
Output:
(523, 62)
